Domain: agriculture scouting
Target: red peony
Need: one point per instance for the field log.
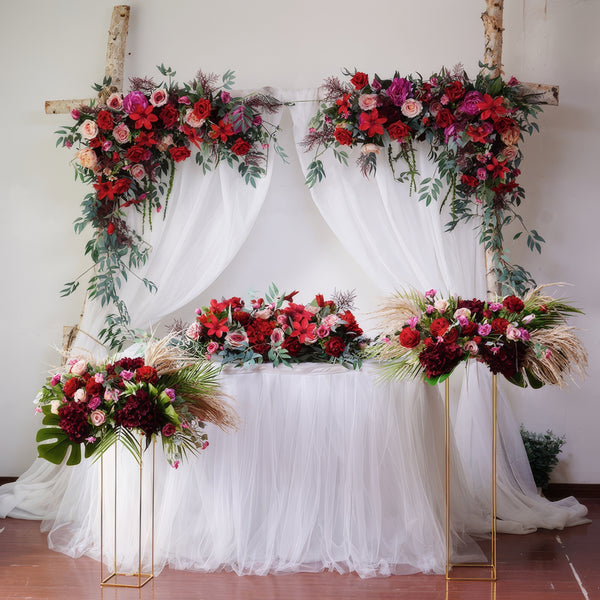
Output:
(360, 80)
(444, 118)
(202, 108)
(241, 316)
(104, 120)
(169, 115)
(179, 153)
(505, 359)
(72, 385)
(292, 345)
(399, 131)
(409, 337)
(470, 181)
(147, 374)
(343, 136)
(439, 327)
(74, 420)
(140, 412)
(335, 346)
(513, 304)
(136, 154)
(241, 147)
(455, 90)
(258, 330)
(121, 185)
(451, 335)
(499, 325)
(130, 364)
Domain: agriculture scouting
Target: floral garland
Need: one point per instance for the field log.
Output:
(119, 400)
(127, 149)
(277, 330)
(473, 128)
(526, 340)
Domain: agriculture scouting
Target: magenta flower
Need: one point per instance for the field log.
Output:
(135, 101)
(484, 329)
(127, 375)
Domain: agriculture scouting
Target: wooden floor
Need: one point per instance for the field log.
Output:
(544, 565)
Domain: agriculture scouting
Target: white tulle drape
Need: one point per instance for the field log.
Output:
(402, 244)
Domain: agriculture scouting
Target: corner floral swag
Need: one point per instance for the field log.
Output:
(473, 127)
(275, 329)
(97, 405)
(525, 340)
(127, 147)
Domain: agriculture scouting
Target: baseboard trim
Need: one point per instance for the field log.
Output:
(556, 491)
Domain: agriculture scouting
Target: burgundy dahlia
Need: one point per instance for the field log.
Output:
(441, 358)
(74, 420)
(505, 359)
(475, 306)
(140, 412)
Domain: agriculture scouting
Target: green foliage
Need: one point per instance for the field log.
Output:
(542, 451)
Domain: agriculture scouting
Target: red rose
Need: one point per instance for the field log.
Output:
(343, 136)
(93, 388)
(499, 325)
(147, 374)
(241, 316)
(503, 124)
(360, 80)
(444, 118)
(292, 345)
(439, 327)
(202, 108)
(455, 90)
(351, 325)
(136, 154)
(469, 329)
(120, 186)
(513, 304)
(470, 181)
(168, 430)
(409, 338)
(241, 147)
(169, 115)
(399, 131)
(179, 153)
(451, 335)
(335, 346)
(104, 120)
(72, 385)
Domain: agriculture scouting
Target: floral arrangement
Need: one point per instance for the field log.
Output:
(526, 340)
(161, 395)
(127, 146)
(473, 128)
(275, 329)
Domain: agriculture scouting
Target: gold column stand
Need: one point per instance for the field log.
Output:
(492, 564)
(117, 579)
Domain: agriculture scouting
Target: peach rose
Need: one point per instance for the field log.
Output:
(88, 129)
(54, 405)
(115, 101)
(79, 367)
(510, 153)
(97, 417)
(511, 136)
(87, 158)
(191, 118)
(121, 133)
(164, 143)
(411, 108)
(370, 149)
(159, 97)
(79, 395)
(368, 101)
(137, 172)
(441, 306)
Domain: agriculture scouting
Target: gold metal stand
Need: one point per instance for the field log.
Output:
(117, 579)
(491, 565)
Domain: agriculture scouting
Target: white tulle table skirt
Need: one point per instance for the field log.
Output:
(329, 470)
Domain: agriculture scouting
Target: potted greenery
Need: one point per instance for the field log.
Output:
(542, 451)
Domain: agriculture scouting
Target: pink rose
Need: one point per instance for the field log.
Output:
(55, 379)
(277, 336)
(164, 143)
(168, 430)
(133, 101)
(441, 306)
(264, 314)
(194, 331)
(462, 312)
(524, 334)
(94, 403)
(159, 97)
(512, 333)
(484, 329)
(121, 133)
(471, 347)
(75, 114)
(97, 417)
(323, 331)
(411, 108)
(510, 153)
(79, 367)
(212, 348)
(330, 321)
(137, 171)
(88, 129)
(495, 306)
(430, 293)
(115, 101)
(282, 319)
(368, 101)
(192, 119)
(127, 375)
(225, 97)
(79, 395)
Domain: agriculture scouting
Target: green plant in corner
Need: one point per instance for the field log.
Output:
(542, 451)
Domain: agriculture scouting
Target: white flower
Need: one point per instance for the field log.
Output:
(54, 405)
(441, 306)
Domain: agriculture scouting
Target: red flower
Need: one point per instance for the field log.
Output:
(136, 154)
(121, 185)
(344, 105)
(105, 120)
(409, 338)
(371, 122)
(93, 388)
(399, 131)
(491, 107)
(146, 374)
(303, 329)
(343, 136)
(216, 326)
(105, 190)
(221, 131)
(469, 329)
(72, 385)
(444, 118)
(455, 90)
(439, 359)
(439, 327)
(179, 153)
(292, 345)
(169, 115)
(360, 80)
(478, 133)
(470, 181)
(74, 420)
(241, 316)
(451, 335)
(146, 138)
(110, 229)
(351, 324)
(498, 168)
(335, 346)
(241, 147)
(506, 188)
(202, 108)
(513, 304)
(143, 117)
(192, 135)
(168, 430)
(499, 325)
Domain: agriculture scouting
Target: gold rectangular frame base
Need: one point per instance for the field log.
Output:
(492, 565)
(138, 576)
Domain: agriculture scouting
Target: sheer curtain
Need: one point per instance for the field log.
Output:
(401, 243)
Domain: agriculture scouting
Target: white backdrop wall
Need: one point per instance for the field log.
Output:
(53, 50)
